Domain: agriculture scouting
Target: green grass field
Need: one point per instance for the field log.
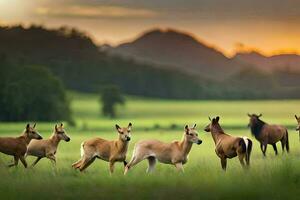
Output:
(273, 177)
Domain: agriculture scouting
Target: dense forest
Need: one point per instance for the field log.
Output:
(73, 57)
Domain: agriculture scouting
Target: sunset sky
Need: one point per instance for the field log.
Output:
(270, 26)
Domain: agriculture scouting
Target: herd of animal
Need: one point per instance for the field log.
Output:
(174, 153)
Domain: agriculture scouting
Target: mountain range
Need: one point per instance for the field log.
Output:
(181, 51)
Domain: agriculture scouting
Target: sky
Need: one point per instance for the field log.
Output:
(268, 26)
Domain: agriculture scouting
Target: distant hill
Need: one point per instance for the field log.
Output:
(276, 62)
(73, 57)
(177, 50)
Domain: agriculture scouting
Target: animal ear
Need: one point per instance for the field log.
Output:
(186, 128)
(248, 115)
(61, 124)
(194, 125)
(118, 127)
(209, 118)
(27, 126)
(34, 125)
(217, 119)
(213, 121)
(129, 126)
(296, 117)
(260, 115)
(55, 127)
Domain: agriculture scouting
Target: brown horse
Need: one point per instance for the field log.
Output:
(268, 134)
(298, 127)
(228, 146)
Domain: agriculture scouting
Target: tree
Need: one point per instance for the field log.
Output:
(110, 97)
(30, 93)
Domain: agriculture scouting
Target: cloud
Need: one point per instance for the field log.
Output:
(88, 11)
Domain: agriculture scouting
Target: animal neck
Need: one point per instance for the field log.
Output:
(186, 146)
(25, 137)
(122, 145)
(257, 127)
(216, 131)
(55, 139)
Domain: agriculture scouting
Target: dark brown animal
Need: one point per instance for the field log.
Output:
(298, 127)
(17, 146)
(228, 146)
(268, 134)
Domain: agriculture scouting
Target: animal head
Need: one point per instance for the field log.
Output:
(191, 134)
(298, 120)
(253, 119)
(60, 132)
(124, 133)
(212, 122)
(32, 133)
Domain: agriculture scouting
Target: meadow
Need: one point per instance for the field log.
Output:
(273, 177)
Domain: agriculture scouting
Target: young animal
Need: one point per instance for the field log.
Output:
(268, 134)
(17, 146)
(48, 147)
(298, 127)
(110, 151)
(228, 146)
(174, 153)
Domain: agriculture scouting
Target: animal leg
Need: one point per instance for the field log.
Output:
(151, 162)
(52, 158)
(282, 145)
(275, 148)
(16, 160)
(77, 164)
(179, 167)
(36, 161)
(111, 167)
(241, 159)
(23, 161)
(224, 163)
(135, 160)
(86, 162)
(263, 148)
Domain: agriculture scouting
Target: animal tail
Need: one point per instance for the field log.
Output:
(287, 141)
(248, 148)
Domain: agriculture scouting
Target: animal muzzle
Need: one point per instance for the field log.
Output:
(199, 142)
(128, 138)
(207, 130)
(39, 137)
(67, 139)
(298, 128)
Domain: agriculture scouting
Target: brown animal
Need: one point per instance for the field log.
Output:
(298, 127)
(110, 151)
(48, 147)
(17, 146)
(174, 153)
(228, 146)
(268, 134)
